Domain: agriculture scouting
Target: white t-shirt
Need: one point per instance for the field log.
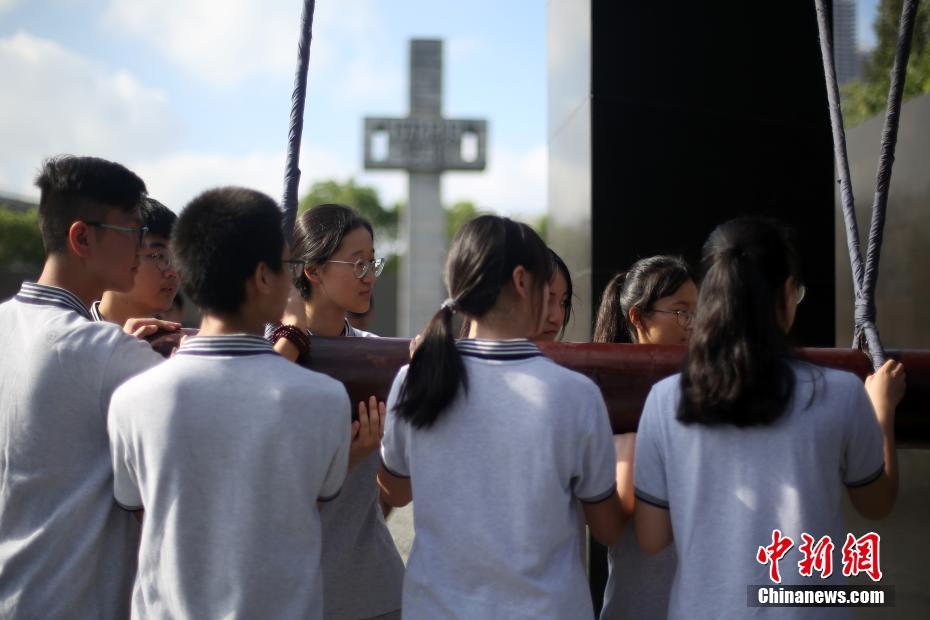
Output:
(227, 447)
(66, 549)
(728, 488)
(496, 479)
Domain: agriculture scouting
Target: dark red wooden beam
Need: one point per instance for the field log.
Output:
(624, 372)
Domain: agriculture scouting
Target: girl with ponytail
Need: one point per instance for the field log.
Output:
(748, 439)
(652, 303)
(497, 443)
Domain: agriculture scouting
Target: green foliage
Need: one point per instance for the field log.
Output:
(362, 198)
(866, 97)
(20, 240)
(458, 215)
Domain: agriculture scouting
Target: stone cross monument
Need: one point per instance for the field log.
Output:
(424, 144)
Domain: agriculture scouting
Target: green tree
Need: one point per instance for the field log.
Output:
(362, 198)
(20, 240)
(866, 97)
(458, 215)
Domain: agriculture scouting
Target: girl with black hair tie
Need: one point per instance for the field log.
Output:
(651, 303)
(749, 444)
(497, 443)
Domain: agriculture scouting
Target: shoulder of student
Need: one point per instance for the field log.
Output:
(570, 382)
(88, 340)
(310, 384)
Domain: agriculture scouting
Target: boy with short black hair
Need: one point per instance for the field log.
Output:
(66, 550)
(227, 446)
(156, 282)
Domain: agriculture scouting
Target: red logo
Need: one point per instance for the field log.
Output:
(860, 555)
(773, 553)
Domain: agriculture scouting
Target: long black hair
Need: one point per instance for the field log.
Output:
(737, 367)
(647, 281)
(480, 264)
(318, 233)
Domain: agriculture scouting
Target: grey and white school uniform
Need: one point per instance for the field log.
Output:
(639, 584)
(728, 488)
(95, 312)
(66, 549)
(496, 481)
(363, 573)
(227, 447)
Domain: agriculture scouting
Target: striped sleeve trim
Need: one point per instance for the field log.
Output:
(391, 471)
(650, 499)
(330, 498)
(597, 499)
(868, 479)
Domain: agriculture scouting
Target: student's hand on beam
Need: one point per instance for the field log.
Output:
(886, 388)
(145, 327)
(367, 431)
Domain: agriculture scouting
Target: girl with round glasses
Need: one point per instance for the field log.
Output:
(651, 303)
(334, 269)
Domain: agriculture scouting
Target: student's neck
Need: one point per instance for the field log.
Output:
(324, 318)
(65, 273)
(119, 308)
(215, 325)
(491, 331)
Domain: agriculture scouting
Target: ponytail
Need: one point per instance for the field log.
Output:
(647, 281)
(480, 263)
(436, 371)
(611, 321)
(737, 367)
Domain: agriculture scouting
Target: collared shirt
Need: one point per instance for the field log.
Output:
(66, 549)
(227, 447)
(496, 479)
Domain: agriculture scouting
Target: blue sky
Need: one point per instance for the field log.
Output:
(196, 93)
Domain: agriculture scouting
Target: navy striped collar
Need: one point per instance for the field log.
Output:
(233, 345)
(95, 312)
(44, 295)
(506, 350)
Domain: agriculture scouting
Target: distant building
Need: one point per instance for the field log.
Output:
(845, 52)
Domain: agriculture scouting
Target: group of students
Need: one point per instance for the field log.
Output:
(265, 491)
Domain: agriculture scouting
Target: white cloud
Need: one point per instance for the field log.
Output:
(179, 177)
(513, 184)
(224, 43)
(56, 101)
(6, 5)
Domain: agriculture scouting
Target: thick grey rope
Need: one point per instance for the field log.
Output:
(296, 127)
(864, 278)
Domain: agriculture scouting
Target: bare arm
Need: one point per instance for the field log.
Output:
(395, 491)
(653, 527)
(886, 389)
(605, 519)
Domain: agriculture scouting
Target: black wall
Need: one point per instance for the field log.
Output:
(703, 111)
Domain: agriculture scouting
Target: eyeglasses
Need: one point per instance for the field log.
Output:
(162, 260)
(801, 291)
(295, 267)
(684, 317)
(362, 266)
(132, 230)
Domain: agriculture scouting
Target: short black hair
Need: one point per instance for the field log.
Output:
(220, 239)
(74, 188)
(157, 217)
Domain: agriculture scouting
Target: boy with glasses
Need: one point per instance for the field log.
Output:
(227, 446)
(156, 282)
(66, 550)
